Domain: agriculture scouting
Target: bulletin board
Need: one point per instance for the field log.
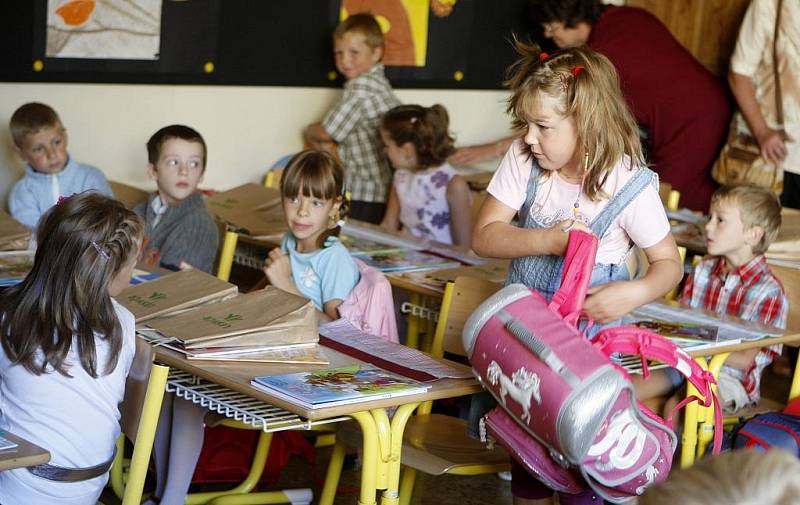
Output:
(441, 44)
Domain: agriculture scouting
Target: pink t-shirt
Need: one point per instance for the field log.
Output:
(643, 221)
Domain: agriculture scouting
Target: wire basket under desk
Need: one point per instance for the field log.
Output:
(237, 406)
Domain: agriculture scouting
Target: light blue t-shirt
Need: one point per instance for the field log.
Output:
(322, 275)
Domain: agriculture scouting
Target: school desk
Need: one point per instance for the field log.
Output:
(216, 383)
(698, 424)
(25, 454)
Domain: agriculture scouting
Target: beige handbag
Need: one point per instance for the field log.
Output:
(740, 161)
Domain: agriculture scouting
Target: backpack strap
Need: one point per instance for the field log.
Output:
(575, 276)
(633, 341)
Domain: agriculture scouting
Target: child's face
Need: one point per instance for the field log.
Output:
(552, 137)
(179, 169)
(353, 56)
(308, 217)
(726, 235)
(46, 150)
(401, 157)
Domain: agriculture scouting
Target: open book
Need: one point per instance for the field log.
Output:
(729, 329)
(338, 386)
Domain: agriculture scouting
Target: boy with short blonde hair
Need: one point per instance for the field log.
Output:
(179, 231)
(353, 123)
(40, 139)
(735, 279)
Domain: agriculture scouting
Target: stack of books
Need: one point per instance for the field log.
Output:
(14, 236)
(269, 325)
(14, 266)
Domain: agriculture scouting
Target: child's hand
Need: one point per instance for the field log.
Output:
(184, 266)
(278, 270)
(560, 234)
(611, 301)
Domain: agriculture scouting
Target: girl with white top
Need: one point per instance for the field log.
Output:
(66, 350)
(428, 198)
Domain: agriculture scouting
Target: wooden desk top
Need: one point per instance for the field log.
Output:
(237, 376)
(26, 454)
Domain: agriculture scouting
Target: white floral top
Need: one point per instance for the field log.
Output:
(424, 211)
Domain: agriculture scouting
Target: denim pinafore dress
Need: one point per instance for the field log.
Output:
(543, 272)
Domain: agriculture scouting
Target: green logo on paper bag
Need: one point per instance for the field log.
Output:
(148, 302)
(225, 322)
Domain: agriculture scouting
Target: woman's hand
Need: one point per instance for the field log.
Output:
(611, 301)
(772, 145)
(278, 269)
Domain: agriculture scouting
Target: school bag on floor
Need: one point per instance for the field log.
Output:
(765, 431)
(566, 412)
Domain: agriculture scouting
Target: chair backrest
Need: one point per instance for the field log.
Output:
(226, 253)
(460, 299)
(790, 278)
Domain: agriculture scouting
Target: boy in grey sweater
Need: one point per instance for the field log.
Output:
(179, 231)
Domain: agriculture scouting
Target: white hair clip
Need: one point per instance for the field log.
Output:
(100, 251)
(413, 119)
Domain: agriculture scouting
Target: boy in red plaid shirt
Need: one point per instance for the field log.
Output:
(736, 280)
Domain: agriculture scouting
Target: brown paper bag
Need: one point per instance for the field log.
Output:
(250, 208)
(270, 316)
(174, 292)
(13, 234)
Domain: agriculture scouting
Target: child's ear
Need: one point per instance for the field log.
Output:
(754, 235)
(151, 171)
(377, 55)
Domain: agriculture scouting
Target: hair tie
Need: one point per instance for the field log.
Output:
(61, 200)
(413, 119)
(100, 251)
(340, 223)
(543, 56)
(576, 71)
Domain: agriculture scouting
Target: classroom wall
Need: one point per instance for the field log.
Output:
(246, 128)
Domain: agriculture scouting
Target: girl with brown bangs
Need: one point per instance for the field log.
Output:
(311, 262)
(67, 346)
(578, 165)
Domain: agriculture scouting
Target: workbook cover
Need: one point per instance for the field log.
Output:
(338, 386)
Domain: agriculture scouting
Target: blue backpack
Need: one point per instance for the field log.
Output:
(764, 431)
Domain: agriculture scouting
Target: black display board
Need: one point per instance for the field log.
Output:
(272, 42)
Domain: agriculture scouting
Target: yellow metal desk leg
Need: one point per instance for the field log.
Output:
(384, 431)
(794, 391)
(412, 333)
(705, 430)
(391, 494)
(690, 416)
(369, 458)
(328, 492)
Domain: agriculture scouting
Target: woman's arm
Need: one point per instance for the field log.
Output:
(459, 200)
(391, 219)
(495, 237)
(770, 141)
(611, 301)
(468, 155)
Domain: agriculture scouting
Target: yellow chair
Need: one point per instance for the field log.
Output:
(144, 391)
(226, 253)
(273, 178)
(435, 443)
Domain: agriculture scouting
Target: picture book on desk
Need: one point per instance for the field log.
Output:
(403, 260)
(338, 386)
(686, 335)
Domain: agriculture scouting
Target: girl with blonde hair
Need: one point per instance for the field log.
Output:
(577, 165)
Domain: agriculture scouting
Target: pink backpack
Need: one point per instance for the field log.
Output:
(566, 412)
(370, 306)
